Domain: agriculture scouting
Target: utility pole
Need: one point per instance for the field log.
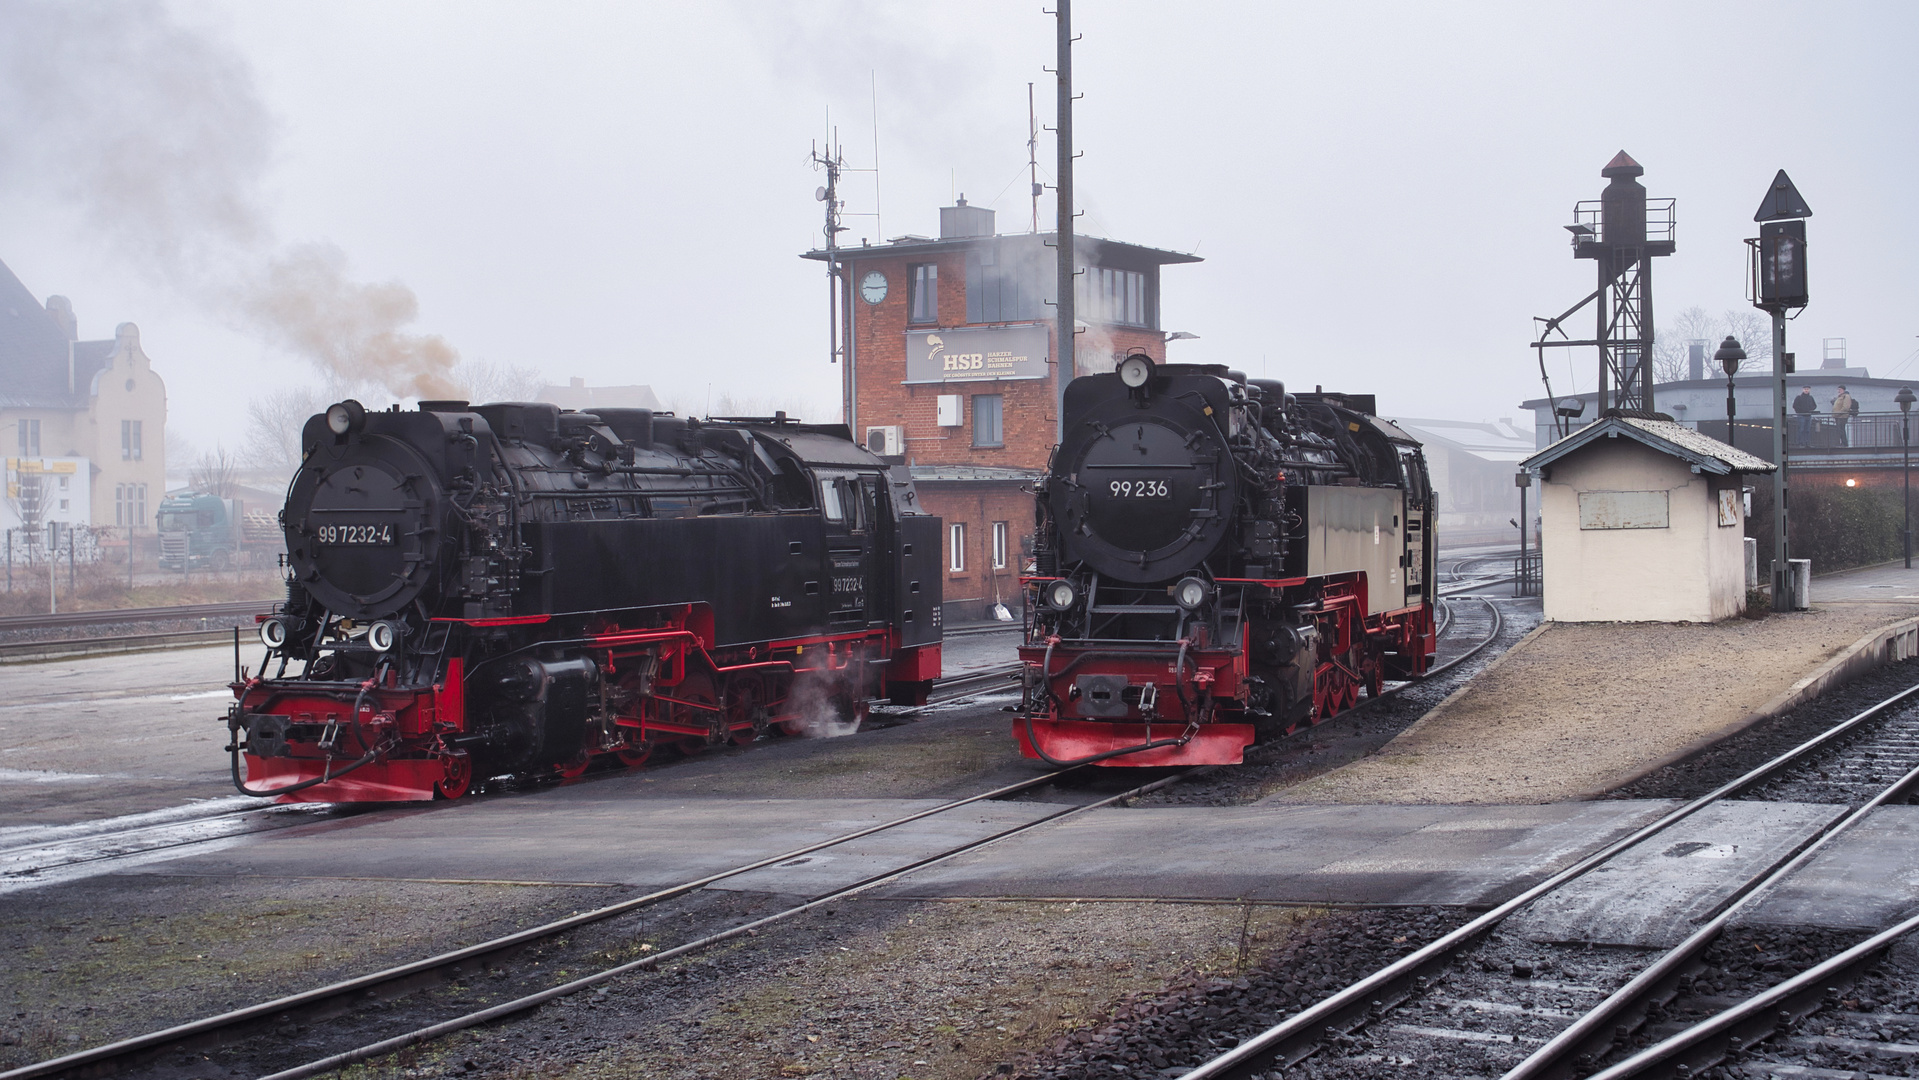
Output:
(1063, 368)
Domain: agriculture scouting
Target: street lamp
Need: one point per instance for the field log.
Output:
(1729, 355)
(1905, 399)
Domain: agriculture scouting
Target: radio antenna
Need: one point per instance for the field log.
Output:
(1032, 153)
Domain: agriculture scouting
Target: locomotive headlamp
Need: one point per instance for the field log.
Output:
(1190, 593)
(1135, 370)
(348, 415)
(383, 636)
(273, 633)
(1060, 595)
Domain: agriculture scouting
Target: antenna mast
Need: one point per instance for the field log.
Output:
(833, 160)
(1032, 153)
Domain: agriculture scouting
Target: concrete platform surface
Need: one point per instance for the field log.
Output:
(1887, 582)
(1655, 894)
(1552, 719)
(606, 840)
(1867, 878)
(1305, 854)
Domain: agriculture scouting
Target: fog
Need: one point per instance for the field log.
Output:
(287, 195)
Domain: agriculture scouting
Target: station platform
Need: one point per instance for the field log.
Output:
(1473, 856)
(1578, 709)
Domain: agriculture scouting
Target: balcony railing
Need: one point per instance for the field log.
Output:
(1817, 434)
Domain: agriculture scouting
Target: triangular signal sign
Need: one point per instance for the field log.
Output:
(1783, 201)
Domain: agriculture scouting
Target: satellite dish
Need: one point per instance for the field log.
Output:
(820, 195)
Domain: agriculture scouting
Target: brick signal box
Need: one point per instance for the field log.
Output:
(951, 342)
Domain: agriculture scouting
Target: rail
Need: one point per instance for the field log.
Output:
(1371, 997)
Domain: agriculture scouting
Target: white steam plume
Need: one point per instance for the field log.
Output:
(154, 135)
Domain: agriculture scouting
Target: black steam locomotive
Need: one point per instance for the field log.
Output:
(1218, 562)
(511, 588)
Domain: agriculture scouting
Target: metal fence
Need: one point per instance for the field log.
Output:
(1526, 574)
(1814, 434)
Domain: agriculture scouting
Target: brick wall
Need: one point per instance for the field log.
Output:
(972, 590)
(879, 339)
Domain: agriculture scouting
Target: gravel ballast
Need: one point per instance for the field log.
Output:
(1581, 708)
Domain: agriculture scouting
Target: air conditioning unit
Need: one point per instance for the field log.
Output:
(949, 410)
(887, 441)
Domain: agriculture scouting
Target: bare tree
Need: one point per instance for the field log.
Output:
(274, 422)
(216, 473)
(1672, 348)
(179, 448)
(488, 380)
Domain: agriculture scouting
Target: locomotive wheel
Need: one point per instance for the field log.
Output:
(457, 779)
(744, 707)
(690, 745)
(576, 767)
(631, 756)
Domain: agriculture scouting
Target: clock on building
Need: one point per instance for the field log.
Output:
(873, 287)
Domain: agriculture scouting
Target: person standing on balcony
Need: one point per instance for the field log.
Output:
(1805, 405)
(1844, 408)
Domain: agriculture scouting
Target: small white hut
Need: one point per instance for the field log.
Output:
(1642, 521)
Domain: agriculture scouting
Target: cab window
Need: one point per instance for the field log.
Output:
(830, 500)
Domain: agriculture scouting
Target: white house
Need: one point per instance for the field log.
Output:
(1642, 521)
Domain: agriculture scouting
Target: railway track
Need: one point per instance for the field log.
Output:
(40, 857)
(1563, 1019)
(273, 1039)
(238, 610)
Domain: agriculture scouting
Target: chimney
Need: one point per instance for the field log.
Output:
(960, 221)
(62, 311)
(1696, 360)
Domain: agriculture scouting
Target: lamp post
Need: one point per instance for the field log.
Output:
(1905, 399)
(1522, 480)
(1729, 355)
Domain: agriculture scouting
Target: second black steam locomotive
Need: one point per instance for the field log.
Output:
(512, 588)
(1218, 562)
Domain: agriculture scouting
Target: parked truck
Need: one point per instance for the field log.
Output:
(202, 531)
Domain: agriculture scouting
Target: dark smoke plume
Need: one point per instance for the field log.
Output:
(154, 135)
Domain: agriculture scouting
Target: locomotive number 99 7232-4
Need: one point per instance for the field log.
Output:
(1140, 489)
(360, 535)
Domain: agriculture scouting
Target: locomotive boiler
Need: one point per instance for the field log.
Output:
(1218, 562)
(516, 589)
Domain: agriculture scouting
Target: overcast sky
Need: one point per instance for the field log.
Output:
(620, 191)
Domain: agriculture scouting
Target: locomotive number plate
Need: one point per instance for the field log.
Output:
(1140, 489)
(357, 535)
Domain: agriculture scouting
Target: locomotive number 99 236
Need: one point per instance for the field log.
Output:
(362, 535)
(1140, 489)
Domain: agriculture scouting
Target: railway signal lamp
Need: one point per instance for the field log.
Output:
(1905, 399)
(1190, 593)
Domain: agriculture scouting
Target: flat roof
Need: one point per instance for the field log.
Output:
(922, 245)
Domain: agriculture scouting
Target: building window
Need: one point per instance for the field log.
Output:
(956, 539)
(987, 429)
(120, 507)
(138, 517)
(925, 306)
(1115, 296)
(998, 292)
(130, 440)
(999, 545)
(29, 438)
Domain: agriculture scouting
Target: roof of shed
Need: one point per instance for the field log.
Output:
(1704, 454)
